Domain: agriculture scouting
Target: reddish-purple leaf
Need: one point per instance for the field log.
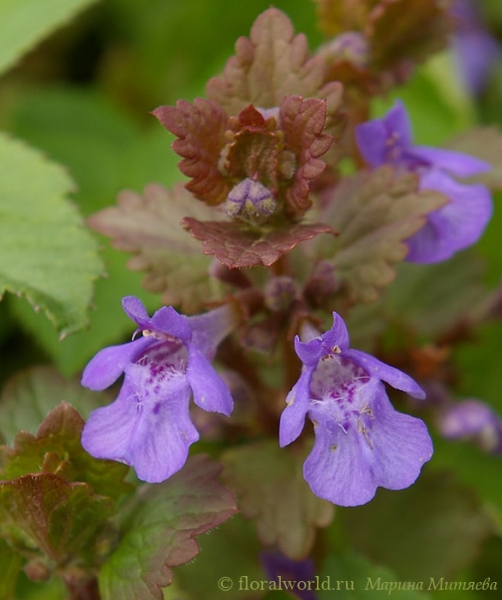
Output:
(200, 128)
(237, 246)
(302, 122)
(269, 482)
(270, 64)
(57, 449)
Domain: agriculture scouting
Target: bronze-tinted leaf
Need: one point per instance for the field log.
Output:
(149, 226)
(373, 213)
(200, 129)
(269, 482)
(235, 245)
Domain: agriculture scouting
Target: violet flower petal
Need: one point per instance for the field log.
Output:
(210, 392)
(337, 335)
(210, 328)
(164, 431)
(453, 227)
(310, 352)
(109, 364)
(371, 137)
(135, 310)
(456, 163)
(346, 465)
(280, 568)
(167, 320)
(403, 443)
(378, 369)
(385, 140)
(108, 429)
(293, 416)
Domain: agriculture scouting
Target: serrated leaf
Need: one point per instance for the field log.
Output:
(29, 396)
(23, 23)
(237, 246)
(200, 129)
(57, 449)
(161, 531)
(46, 254)
(234, 540)
(431, 529)
(302, 122)
(60, 518)
(373, 213)
(269, 482)
(149, 227)
(356, 579)
(270, 64)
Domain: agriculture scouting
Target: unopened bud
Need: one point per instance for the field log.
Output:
(250, 199)
(280, 292)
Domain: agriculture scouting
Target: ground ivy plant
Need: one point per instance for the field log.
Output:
(313, 382)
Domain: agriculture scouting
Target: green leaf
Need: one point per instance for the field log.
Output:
(269, 482)
(108, 322)
(23, 23)
(161, 529)
(59, 518)
(432, 529)
(46, 254)
(57, 449)
(373, 213)
(355, 578)
(105, 151)
(29, 396)
(236, 542)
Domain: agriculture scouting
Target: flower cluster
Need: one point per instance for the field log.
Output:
(361, 441)
(148, 426)
(262, 154)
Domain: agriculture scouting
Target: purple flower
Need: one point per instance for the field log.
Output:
(452, 227)
(473, 420)
(148, 425)
(361, 442)
(476, 50)
(297, 576)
